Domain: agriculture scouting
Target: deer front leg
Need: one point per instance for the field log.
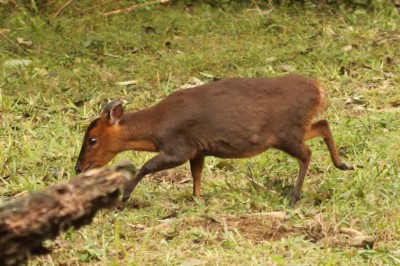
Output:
(160, 162)
(196, 167)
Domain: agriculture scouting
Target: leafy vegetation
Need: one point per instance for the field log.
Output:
(75, 62)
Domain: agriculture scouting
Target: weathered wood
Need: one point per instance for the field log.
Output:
(26, 222)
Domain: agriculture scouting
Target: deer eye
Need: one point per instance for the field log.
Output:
(92, 141)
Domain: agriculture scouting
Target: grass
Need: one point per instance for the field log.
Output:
(76, 61)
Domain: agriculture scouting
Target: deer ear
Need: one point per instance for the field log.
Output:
(113, 111)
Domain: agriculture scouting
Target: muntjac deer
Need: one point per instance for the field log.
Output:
(231, 118)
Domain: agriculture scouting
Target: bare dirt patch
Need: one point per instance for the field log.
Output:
(274, 226)
(256, 228)
(174, 176)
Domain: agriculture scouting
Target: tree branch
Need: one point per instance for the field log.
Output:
(26, 222)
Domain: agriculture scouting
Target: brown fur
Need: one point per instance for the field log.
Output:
(231, 118)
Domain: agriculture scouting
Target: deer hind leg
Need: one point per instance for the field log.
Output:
(196, 167)
(302, 153)
(322, 129)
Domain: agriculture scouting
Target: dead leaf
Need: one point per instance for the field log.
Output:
(41, 72)
(17, 63)
(347, 48)
(192, 82)
(287, 68)
(350, 232)
(3, 31)
(355, 100)
(23, 42)
(271, 59)
(278, 215)
(127, 83)
(137, 226)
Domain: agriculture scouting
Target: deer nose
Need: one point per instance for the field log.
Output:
(78, 169)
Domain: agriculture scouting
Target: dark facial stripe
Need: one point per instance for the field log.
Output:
(92, 125)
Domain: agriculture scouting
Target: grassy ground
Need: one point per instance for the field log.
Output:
(76, 63)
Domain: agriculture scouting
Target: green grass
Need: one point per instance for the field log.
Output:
(77, 61)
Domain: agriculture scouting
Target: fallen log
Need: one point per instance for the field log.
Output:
(26, 222)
